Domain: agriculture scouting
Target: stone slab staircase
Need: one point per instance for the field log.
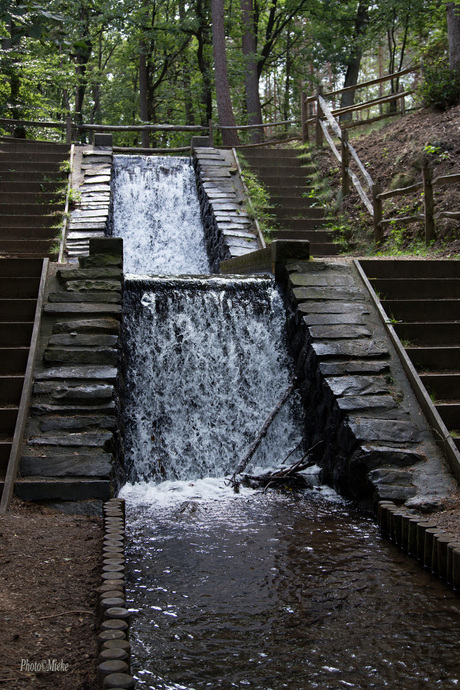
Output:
(31, 177)
(422, 301)
(298, 215)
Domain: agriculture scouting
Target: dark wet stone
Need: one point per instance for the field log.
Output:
(329, 319)
(93, 285)
(327, 293)
(101, 260)
(85, 309)
(357, 385)
(353, 367)
(372, 456)
(350, 348)
(339, 331)
(366, 402)
(82, 340)
(106, 373)
(333, 307)
(383, 430)
(321, 280)
(385, 475)
(100, 273)
(77, 423)
(110, 297)
(81, 356)
(97, 439)
(68, 466)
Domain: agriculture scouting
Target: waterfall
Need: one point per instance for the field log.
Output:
(157, 213)
(205, 364)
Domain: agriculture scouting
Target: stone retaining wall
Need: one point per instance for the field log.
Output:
(229, 232)
(373, 441)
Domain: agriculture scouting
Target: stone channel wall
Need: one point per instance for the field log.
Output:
(229, 232)
(72, 453)
(370, 436)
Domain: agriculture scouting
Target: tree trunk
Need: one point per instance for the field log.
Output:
(251, 77)
(453, 34)
(143, 93)
(354, 63)
(224, 104)
(204, 65)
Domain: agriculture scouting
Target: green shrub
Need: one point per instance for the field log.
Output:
(440, 86)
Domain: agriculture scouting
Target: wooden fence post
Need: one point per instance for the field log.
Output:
(319, 131)
(303, 118)
(211, 133)
(378, 212)
(68, 130)
(429, 203)
(345, 163)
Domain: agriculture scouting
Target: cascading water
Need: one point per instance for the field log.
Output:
(156, 212)
(251, 589)
(205, 364)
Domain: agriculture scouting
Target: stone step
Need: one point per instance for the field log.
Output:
(10, 389)
(74, 392)
(68, 355)
(427, 333)
(417, 288)
(418, 310)
(97, 325)
(82, 408)
(303, 223)
(84, 372)
(313, 236)
(410, 268)
(91, 297)
(13, 360)
(68, 465)
(8, 416)
(83, 309)
(17, 310)
(20, 267)
(293, 201)
(89, 439)
(15, 333)
(76, 422)
(63, 489)
(450, 414)
(288, 214)
(442, 386)
(28, 248)
(30, 223)
(435, 358)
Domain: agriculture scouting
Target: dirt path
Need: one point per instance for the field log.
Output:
(50, 566)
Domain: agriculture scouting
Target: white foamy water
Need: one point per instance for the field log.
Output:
(205, 364)
(157, 213)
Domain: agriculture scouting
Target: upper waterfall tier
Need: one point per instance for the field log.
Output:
(157, 213)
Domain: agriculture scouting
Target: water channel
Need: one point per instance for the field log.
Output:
(255, 589)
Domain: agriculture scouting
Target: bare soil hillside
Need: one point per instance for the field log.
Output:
(394, 157)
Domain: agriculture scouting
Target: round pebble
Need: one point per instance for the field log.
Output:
(114, 624)
(110, 593)
(122, 644)
(110, 602)
(113, 653)
(117, 612)
(112, 636)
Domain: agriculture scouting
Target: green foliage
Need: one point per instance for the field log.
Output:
(259, 201)
(440, 86)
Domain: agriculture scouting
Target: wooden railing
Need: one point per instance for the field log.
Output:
(428, 217)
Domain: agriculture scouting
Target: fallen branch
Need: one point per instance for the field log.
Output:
(66, 613)
(263, 432)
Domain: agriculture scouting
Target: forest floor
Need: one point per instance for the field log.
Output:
(50, 563)
(394, 155)
(50, 567)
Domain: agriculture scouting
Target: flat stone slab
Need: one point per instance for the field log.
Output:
(89, 285)
(96, 179)
(94, 308)
(328, 319)
(82, 372)
(38, 408)
(98, 325)
(333, 307)
(376, 455)
(68, 466)
(395, 431)
(98, 273)
(321, 279)
(357, 385)
(98, 439)
(366, 402)
(354, 367)
(233, 241)
(328, 293)
(95, 297)
(68, 391)
(339, 331)
(102, 356)
(84, 339)
(73, 236)
(94, 224)
(98, 188)
(67, 489)
(350, 348)
(78, 423)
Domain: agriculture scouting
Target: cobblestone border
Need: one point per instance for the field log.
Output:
(114, 646)
(419, 537)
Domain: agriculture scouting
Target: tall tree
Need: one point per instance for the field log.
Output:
(224, 103)
(453, 33)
